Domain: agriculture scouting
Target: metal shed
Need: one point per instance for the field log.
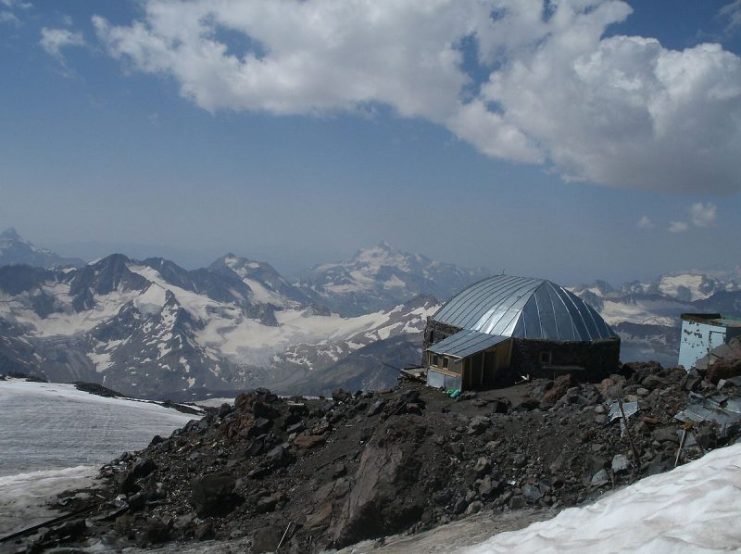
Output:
(507, 322)
(701, 333)
(466, 359)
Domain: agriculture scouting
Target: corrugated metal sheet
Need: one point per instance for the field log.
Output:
(523, 307)
(466, 342)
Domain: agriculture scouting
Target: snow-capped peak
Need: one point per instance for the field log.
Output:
(15, 250)
(379, 276)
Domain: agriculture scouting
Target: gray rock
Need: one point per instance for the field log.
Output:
(666, 434)
(278, 456)
(474, 507)
(620, 463)
(267, 503)
(531, 493)
(478, 425)
(483, 465)
(600, 478)
(460, 506)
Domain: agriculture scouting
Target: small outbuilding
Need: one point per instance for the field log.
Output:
(702, 333)
(505, 326)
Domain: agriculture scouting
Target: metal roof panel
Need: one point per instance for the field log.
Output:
(465, 343)
(523, 307)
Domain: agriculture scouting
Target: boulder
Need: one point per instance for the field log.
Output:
(559, 388)
(213, 495)
(384, 499)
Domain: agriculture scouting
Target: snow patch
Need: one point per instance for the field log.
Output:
(151, 301)
(25, 497)
(694, 508)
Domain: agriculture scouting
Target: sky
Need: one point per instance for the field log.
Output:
(570, 139)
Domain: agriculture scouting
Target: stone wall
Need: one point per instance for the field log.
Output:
(436, 331)
(598, 358)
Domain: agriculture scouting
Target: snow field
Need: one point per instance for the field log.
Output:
(692, 509)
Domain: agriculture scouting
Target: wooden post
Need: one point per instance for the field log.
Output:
(630, 437)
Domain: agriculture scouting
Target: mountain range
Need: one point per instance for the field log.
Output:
(151, 328)
(15, 250)
(381, 275)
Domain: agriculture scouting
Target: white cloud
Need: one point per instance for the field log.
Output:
(9, 17)
(645, 223)
(732, 14)
(619, 111)
(54, 40)
(13, 4)
(678, 226)
(703, 215)
(700, 215)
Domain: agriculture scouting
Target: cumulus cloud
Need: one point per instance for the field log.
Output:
(700, 215)
(645, 223)
(703, 215)
(55, 40)
(678, 226)
(620, 111)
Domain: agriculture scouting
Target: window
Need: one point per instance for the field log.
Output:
(433, 359)
(546, 357)
(445, 362)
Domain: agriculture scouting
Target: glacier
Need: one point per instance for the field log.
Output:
(54, 437)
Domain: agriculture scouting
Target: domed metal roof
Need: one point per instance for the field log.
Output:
(526, 308)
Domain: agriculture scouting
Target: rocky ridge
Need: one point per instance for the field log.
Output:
(308, 474)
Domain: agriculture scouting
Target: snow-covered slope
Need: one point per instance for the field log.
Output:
(55, 437)
(368, 358)
(15, 250)
(268, 286)
(694, 508)
(55, 425)
(382, 276)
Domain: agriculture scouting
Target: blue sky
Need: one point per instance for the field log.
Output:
(587, 139)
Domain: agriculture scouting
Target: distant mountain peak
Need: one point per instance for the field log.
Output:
(11, 234)
(380, 276)
(15, 250)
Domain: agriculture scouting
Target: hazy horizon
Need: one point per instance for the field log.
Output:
(293, 269)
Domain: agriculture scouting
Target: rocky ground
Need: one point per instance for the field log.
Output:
(302, 475)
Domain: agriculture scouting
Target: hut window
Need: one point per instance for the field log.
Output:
(546, 357)
(457, 366)
(445, 362)
(433, 359)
